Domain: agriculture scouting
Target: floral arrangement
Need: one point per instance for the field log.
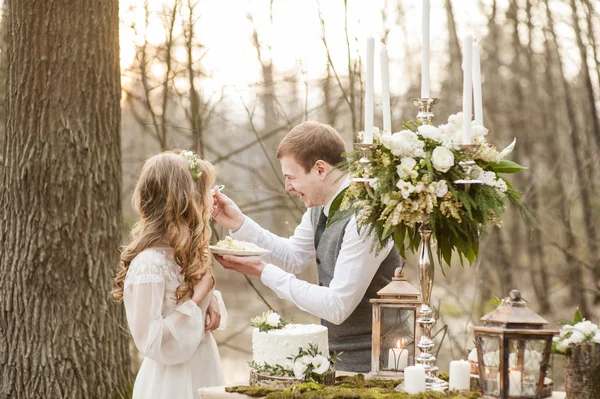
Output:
(269, 321)
(576, 332)
(193, 164)
(412, 178)
(308, 365)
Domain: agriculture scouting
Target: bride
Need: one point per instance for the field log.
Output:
(166, 280)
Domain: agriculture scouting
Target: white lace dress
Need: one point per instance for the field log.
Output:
(179, 356)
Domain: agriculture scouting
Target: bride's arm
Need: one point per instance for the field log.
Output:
(291, 254)
(168, 340)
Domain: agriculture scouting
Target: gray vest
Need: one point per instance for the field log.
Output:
(353, 336)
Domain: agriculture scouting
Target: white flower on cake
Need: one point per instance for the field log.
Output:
(442, 159)
(273, 319)
(320, 363)
(300, 369)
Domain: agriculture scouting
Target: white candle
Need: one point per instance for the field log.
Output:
(460, 375)
(425, 50)
(514, 383)
(398, 357)
(477, 84)
(414, 379)
(467, 88)
(368, 135)
(385, 91)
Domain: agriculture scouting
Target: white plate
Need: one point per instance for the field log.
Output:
(238, 252)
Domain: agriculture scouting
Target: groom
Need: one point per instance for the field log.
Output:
(349, 272)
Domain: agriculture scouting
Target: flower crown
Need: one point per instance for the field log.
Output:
(193, 164)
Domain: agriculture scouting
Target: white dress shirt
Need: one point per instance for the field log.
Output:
(354, 269)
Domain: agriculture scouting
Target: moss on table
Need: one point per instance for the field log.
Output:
(348, 387)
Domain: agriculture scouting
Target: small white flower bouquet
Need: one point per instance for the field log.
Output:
(576, 332)
(269, 321)
(412, 177)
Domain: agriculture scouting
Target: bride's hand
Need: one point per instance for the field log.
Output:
(203, 287)
(226, 212)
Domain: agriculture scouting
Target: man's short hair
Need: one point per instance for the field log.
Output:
(309, 142)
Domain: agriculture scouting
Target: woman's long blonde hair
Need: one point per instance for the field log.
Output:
(174, 210)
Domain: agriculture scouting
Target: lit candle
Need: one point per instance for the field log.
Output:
(460, 375)
(425, 50)
(398, 357)
(385, 92)
(414, 379)
(467, 88)
(368, 134)
(477, 84)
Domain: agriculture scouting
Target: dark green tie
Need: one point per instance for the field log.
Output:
(321, 225)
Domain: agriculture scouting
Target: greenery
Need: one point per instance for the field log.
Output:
(411, 179)
(309, 365)
(355, 387)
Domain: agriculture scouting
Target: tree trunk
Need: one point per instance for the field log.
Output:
(537, 254)
(60, 334)
(576, 281)
(592, 119)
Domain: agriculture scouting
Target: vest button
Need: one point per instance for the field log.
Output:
(318, 261)
(320, 285)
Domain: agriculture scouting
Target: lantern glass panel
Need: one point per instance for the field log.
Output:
(524, 363)
(490, 359)
(397, 338)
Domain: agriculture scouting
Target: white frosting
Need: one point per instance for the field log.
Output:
(275, 346)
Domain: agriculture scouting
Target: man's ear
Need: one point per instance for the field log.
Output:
(322, 168)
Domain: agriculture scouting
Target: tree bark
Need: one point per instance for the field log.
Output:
(60, 334)
(576, 271)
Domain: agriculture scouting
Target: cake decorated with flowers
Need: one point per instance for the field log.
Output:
(284, 353)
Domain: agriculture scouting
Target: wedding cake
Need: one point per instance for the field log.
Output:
(275, 347)
(285, 353)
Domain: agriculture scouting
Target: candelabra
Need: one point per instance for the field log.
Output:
(426, 273)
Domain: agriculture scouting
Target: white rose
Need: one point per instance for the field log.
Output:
(441, 188)
(596, 338)
(405, 144)
(320, 363)
(586, 327)
(442, 159)
(273, 319)
(473, 355)
(430, 132)
(406, 188)
(299, 369)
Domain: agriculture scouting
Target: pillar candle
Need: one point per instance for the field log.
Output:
(397, 358)
(368, 132)
(385, 92)
(477, 84)
(460, 375)
(425, 50)
(414, 379)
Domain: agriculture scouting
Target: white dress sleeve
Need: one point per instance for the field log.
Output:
(222, 309)
(169, 339)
